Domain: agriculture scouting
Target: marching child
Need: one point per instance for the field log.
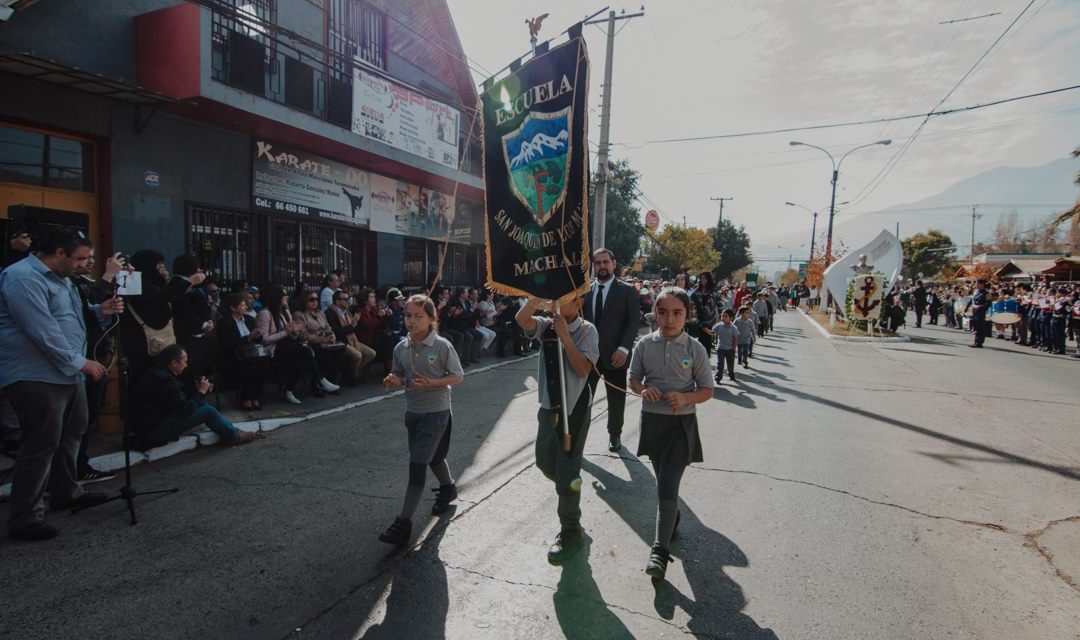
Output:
(671, 372)
(581, 349)
(761, 308)
(726, 337)
(426, 366)
(746, 327)
(756, 319)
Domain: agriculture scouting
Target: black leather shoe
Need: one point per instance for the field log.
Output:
(444, 495)
(34, 532)
(397, 533)
(84, 501)
(614, 444)
(566, 544)
(658, 562)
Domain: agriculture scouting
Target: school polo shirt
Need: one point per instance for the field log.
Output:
(725, 336)
(431, 358)
(588, 343)
(674, 364)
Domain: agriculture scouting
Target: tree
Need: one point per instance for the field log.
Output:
(681, 250)
(789, 277)
(927, 254)
(734, 248)
(1074, 213)
(623, 229)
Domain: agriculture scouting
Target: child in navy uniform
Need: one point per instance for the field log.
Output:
(581, 349)
(426, 366)
(726, 338)
(671, 372)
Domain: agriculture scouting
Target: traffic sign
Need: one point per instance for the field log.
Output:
(652, 220)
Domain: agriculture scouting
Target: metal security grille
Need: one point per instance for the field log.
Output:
(249, 20)
(226, 242)
(356, 31)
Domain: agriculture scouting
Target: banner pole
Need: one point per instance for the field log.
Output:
(567, 445)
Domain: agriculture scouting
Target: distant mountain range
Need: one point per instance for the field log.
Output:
(995, 192)
(531, 149)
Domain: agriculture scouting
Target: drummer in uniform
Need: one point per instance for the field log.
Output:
(979, 304)
(1023, 301)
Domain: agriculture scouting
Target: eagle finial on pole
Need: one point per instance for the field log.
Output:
(534, 28)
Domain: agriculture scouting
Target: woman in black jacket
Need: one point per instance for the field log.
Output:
(152, 309)
(237, 340)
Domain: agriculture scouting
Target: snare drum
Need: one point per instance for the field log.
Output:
(1005, 312)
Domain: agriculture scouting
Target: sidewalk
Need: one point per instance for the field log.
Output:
(107, 454)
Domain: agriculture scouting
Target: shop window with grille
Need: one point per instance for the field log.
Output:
(226, 243)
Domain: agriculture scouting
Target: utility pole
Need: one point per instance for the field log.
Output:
(971, 250)
(600, 206)
(721, 201)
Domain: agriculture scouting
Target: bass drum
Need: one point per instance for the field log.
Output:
(1005, 312)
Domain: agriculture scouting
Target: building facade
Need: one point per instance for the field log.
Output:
(274, 139)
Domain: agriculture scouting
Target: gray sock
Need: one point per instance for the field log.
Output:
(412, 500)
(442, 472)
(665, 521)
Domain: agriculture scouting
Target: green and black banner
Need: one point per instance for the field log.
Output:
(536, 166)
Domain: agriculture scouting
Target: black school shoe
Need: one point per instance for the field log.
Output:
(398, 533)
(658, 562)
(567, 543)
(444, 495)
(614, 444)
(34, 532)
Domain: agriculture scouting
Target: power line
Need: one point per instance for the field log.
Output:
(988, 15)
(853, 123)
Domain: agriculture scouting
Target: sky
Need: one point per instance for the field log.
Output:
(693, 68)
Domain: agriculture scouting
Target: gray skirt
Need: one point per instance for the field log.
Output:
(429, 435)
(670, 438)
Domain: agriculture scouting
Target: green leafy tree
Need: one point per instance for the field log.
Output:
(1074, 213)
(927, 253)
(681, 250)
(623, 229)
(733, 245)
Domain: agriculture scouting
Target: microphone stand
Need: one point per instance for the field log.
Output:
(127, 492)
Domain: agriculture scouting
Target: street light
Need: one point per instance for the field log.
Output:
(835, 177)
(813, 230)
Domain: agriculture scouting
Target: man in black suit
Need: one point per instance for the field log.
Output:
(920, 298)
(615, 310)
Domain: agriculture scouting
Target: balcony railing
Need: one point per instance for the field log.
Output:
(246, 57)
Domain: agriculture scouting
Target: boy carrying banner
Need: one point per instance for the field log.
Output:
(581, 345)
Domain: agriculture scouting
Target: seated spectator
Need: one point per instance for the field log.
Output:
(343, 322)
(213, 298)
(395, 330)
(485, 313)
(256, 304)
(286, 338)
(331, 283)
(371, 319)
(242, 359)
(321, 337)
(161, 410)
(507, 330)
(448, 327)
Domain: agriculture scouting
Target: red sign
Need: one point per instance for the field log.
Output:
(652, 220)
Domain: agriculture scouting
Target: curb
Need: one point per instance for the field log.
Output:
(115, 461)
(828, 336)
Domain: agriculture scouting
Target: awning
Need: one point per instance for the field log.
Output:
(30, 66)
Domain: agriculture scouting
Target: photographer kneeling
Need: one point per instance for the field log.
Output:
(161, 410)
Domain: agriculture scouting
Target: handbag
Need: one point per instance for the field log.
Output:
(251, 352)
(156, 339)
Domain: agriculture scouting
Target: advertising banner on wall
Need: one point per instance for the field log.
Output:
(289, 181)
(404, 119)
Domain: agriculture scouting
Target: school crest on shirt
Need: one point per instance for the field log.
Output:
(431, 358)
(686, 362)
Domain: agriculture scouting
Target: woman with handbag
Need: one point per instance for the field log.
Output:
(286, 339)
(242, 353)
(148, 327)
(329, 353)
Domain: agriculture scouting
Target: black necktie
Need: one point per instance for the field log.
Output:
(599, 304)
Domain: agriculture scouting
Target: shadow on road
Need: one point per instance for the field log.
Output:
(716, 601)
(741, 399)
(580, 607)
(419, 598)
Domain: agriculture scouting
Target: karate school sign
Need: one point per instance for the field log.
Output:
(536, 176)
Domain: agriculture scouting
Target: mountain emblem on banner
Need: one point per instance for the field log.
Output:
(537, 154)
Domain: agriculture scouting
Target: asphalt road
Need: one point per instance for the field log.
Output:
(914, 490)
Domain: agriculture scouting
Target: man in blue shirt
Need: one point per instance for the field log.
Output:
(42, 364)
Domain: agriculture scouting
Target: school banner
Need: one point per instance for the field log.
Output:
(536, 168)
